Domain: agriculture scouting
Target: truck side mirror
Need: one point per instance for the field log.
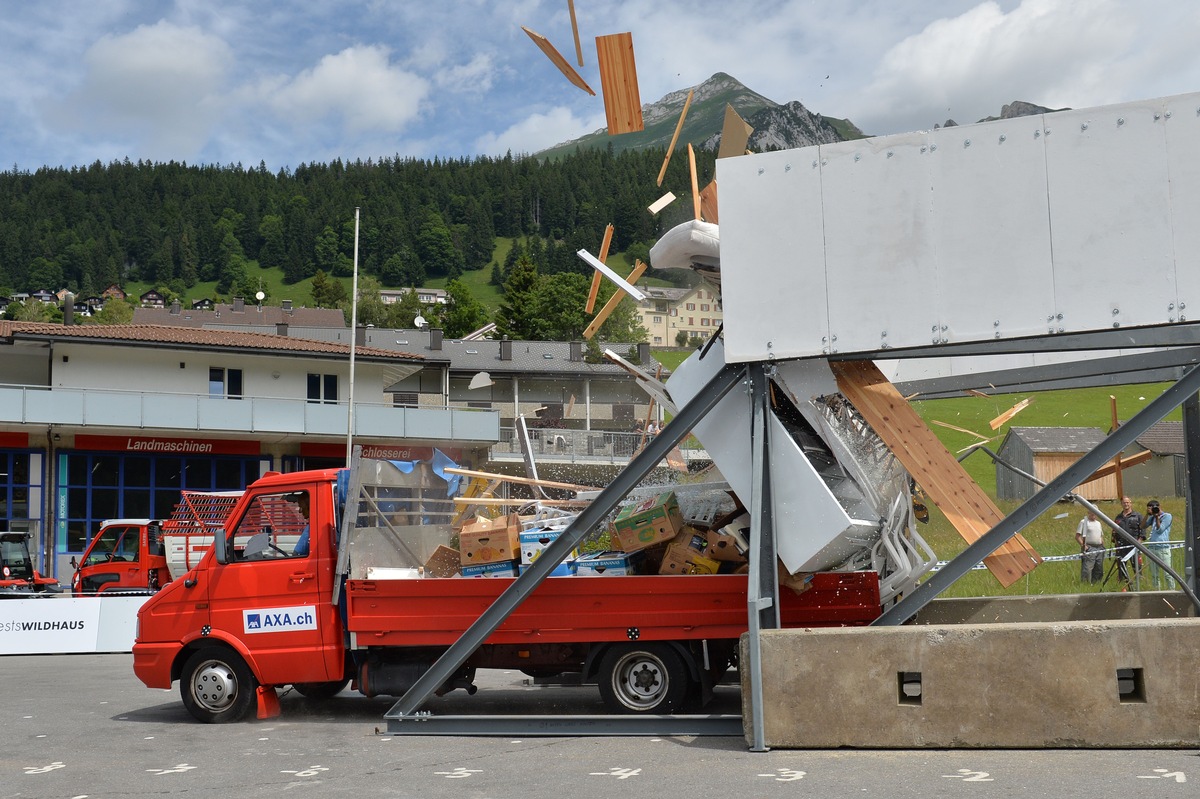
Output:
(221, 545)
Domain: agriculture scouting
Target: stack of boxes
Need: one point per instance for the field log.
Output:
(650, 536)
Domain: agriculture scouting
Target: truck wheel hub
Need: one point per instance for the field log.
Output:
(214, 685)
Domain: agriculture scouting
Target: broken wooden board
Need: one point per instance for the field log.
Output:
(1125, 463)
(708, 203)
(966, 506)
(613, 301)
(675, 137)
(595, 289)
(575, 32)
(556, 58)
(959, 429)
(1010, 413)
(618, 82)
(734, 134)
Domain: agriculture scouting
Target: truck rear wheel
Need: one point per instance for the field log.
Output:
(643, 678)
(217, 686)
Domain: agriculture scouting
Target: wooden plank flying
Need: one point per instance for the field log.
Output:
(695, 186)
(708, 203)
(661, 203)
(575, 32)
(618, 82)
(734, 134)
(966, 506)
(603, 256)
(1123, 463)
(1010, 413)
(613, 301)
(959, 429)
(508, 478)
(675, 137)
(556, 58)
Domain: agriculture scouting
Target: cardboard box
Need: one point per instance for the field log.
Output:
(798, 582)
(646, 523)
(564, 569)
(490, 540)
(444, 562)
(722, 546)
(692, 538)
(533, 542)
(607, 564)
(506, 569)
(681, 559)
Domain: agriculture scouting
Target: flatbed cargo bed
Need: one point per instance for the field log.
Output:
(436, 612)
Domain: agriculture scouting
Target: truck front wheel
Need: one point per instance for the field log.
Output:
(217, 686)
(643, 678)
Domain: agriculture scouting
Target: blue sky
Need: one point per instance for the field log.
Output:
(296, 81)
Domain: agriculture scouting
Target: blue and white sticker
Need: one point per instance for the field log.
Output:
(279, 620)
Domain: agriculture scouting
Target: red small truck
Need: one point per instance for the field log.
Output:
(360, 602)
(18, 577)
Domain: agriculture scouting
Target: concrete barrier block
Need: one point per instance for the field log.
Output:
(1102, 684)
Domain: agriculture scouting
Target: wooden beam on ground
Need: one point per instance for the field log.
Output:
(941, 477)
(1125, 463)
(603, 256)
(556, 58)
(734, 134)
(618, 82)
(575, 32)
(528, 481)
(613, 301)
(1010, 413)
(662, 173)
(695, 186)
(708, 203)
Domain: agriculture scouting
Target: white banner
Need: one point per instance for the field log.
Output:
(54, 625)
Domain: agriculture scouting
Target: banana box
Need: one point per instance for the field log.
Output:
(643, 524)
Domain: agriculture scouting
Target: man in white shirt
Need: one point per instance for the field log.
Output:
(1090, 536)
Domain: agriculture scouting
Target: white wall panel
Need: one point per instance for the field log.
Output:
(783, 252)
(1069, 222)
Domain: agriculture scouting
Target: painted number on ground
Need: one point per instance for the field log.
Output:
(786, 775)
(311, 771)
(1163, 774)
(45, 769)
(180, 769)
(619, 773)
(458, 773)
(966, 775)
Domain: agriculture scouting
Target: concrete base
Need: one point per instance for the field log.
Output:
(1129, 682)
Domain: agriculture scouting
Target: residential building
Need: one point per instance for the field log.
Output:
(667, 312)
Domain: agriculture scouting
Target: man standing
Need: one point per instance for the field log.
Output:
(1090, 536)
(1131, 522)
(1158, 528)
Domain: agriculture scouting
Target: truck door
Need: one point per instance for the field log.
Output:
(274, 592)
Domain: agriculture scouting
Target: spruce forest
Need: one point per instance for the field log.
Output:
(173, 226)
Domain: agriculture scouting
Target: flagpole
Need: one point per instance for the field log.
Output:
(353, 341)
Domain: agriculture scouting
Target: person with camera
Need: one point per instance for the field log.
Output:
(1158, 527)
(1131, 522)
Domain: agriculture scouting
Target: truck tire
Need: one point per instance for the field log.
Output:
(320, 691)
(217, 686)
(643, 678)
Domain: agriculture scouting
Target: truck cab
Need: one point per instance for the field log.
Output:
(17, 575)
(126, 555)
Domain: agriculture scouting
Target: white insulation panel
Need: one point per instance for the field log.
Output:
(1068, 222)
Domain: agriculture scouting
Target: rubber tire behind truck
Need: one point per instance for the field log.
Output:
(644, 678)
(217, 686)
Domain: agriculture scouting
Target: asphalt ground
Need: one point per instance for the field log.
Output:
(83, 726)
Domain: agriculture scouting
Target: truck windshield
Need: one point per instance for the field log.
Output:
(114, 543)
(14, 560)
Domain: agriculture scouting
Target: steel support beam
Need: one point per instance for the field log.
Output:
(1191, 531)
(608, 499)
(762, 592)
(1036, 505)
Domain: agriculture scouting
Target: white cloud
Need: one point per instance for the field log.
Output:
(537, 132)
(359, 86)
(160, 85)
(472, 77)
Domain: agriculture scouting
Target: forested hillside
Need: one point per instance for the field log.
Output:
(174, 225)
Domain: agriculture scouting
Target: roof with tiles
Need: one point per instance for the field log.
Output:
(191, 338)
(247, 314)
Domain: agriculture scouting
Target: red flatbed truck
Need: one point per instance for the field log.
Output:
(253, 615)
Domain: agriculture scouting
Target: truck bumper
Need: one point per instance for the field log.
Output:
(152, 663)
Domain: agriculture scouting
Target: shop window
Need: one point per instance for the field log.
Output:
(224, 383)
(323, 388)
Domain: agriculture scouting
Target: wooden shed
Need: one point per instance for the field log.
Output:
(1046, 452)
(1165, 474)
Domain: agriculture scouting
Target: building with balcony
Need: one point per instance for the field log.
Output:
(100, 422)
(667, 312)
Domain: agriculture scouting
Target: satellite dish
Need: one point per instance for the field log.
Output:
(260, 296)
(420, 322)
